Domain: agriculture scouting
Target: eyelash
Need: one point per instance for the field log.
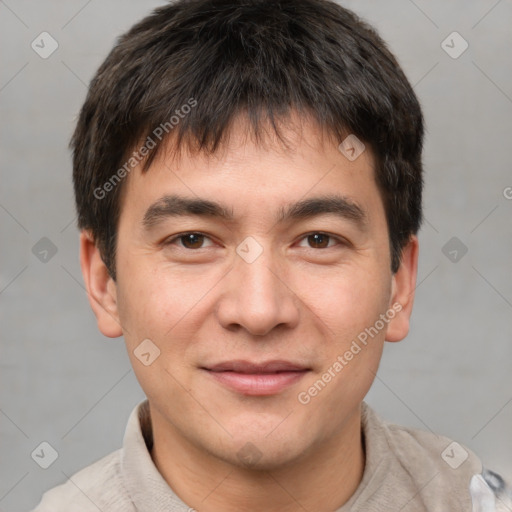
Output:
(180, 236)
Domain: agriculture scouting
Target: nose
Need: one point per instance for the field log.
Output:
(257, 297)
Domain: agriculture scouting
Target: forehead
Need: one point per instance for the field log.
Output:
(256, 174)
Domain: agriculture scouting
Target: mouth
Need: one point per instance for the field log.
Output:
(257, 379)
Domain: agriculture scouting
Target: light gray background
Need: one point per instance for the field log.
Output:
(63, 382)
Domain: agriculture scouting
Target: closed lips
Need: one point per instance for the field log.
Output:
(247, 367)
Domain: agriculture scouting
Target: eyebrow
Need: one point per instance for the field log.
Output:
(180, 206)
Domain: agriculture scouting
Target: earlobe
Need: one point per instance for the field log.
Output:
(101, 288)
(403, 288)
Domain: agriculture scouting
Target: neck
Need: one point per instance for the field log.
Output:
(323, 479)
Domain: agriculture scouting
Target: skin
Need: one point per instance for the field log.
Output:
(296, 302)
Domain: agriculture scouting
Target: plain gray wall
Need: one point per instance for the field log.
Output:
(64, 383)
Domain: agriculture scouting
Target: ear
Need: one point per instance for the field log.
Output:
(403, 287)
(101, 288)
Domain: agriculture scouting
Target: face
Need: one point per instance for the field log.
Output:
(261, 276)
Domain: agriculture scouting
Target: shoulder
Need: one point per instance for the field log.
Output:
(423, 451)
(447, 469)
(98, 486)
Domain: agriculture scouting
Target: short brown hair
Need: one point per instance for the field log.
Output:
(262, 57)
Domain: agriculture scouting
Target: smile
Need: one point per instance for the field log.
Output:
(257, 379)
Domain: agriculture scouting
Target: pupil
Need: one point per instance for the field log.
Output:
(318, 240)
(193, 240)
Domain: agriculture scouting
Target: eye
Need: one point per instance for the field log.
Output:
(196, 240)
(319, 240)
(190, 240)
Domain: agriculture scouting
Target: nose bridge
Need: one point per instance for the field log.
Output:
(257, 299)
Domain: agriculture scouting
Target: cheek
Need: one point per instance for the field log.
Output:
(143, 303)
(347, 300)
(163, 306)
(151, 309)
(349, 309)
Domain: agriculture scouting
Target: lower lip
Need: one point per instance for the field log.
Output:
(260, 384)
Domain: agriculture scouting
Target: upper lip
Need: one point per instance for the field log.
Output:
(240, 366)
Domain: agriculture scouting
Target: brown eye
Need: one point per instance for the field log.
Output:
(192, 240)
(319, 240)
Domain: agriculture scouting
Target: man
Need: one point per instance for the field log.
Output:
(248, 181)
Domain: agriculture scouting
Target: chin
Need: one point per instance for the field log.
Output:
(261, 453)
(262, 461)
